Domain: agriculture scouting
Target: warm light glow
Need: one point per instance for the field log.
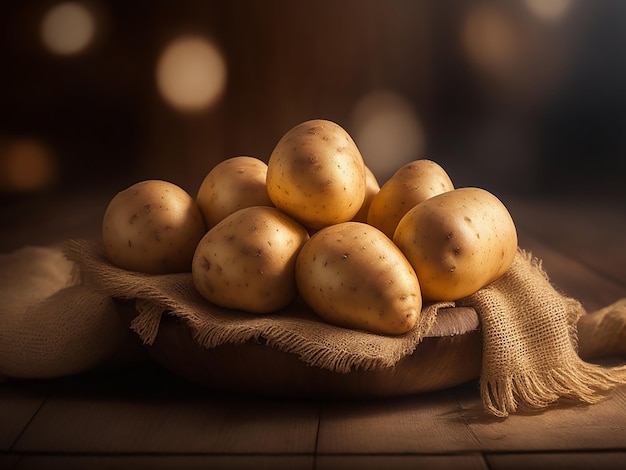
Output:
(26, 165)
(191, 74)
(68, 28)
(387, 132)
(489, 38)
(550, 10)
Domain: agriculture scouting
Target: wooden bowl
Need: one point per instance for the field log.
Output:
(450, 355)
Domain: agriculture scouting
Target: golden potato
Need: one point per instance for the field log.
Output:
(353, 276)
(457, 242)
(411, 184)
(231, 185)
(247, 260)
(316, 174)
(371, 189)
(152, 227)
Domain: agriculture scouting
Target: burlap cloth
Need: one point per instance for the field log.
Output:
(51, 324)
(530, 355)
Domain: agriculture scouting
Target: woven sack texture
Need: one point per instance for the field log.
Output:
(51, 324)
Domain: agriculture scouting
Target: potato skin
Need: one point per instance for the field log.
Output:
(316, 174)
(411, 184)
(371, 189)
(247, 261)
(353, 276)
(152, 227)
(231, 185)
(457, 242)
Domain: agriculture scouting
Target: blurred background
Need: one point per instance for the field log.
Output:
(522, 97)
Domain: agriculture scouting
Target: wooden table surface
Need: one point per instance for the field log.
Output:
(144, 417)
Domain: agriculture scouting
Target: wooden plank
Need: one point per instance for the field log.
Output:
(425, 423)
(162, 462)
(473, 461)
(165, 415)
(566, 427)
(610, 460)
(9, 461)
(77, 424)
(572, 278)
(587, 230)
(18, 404)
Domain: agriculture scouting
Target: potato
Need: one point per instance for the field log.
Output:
(353, 276)
(371, 189)
(247, 261)
(411, 184)
(231, 185)
(316, 174)
(458, 242)
(152, 227)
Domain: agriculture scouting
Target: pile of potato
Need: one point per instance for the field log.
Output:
(314, 222)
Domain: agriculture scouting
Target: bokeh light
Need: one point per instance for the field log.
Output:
(387, 131)
(490, 38)
(191, 74)
(68, 28)
(27, 165)
(550, 10)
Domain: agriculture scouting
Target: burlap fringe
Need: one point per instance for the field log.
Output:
(577, 380)
(533, 391)
(146, 323)
(322, 352)
(314, 353)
